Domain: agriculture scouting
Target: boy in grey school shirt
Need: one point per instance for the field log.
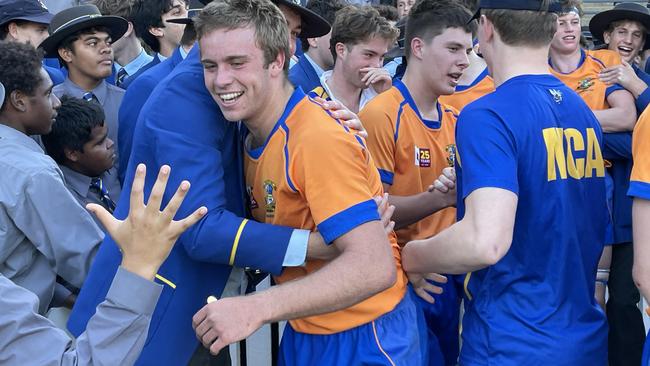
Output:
(117, 331)
(44, 232)
(80, 145)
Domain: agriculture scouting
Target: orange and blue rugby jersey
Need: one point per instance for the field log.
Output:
(465, 94)
(584, 80)
(410, 152)
(640, 179)
(312, 173)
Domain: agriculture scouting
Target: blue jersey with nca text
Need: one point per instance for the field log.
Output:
(535, 137)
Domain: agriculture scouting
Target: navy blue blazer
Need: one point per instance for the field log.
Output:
(131, 78)
(135, 97)
(303, 75)
(181, 125)
(55, 74)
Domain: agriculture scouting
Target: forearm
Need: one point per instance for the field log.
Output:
(452, 251)
(411, 209)
(358, 273)
(616, 119)
(641, 243)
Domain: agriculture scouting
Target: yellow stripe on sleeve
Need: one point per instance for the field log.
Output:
(236, 242)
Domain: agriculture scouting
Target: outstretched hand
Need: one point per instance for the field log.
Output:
(147, 235)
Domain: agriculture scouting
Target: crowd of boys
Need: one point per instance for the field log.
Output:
(479, 198)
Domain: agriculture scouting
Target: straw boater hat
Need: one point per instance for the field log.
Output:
(623, 11)
(71, 20)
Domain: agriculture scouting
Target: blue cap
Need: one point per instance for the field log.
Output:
(29, 10)
(533, 5)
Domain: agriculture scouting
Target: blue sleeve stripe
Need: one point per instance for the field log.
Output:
(612, 88)
(386, 176)
(639, 190)
(286, 159)
(346, 220)
(399, 118)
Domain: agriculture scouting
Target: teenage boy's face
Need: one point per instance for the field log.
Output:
(404, 7)
(294, 22)
(92, 55)
(362, 55)
(236, 73)
(98, 153)
(173, 32)
(445, 56)
(627, 39)
(32, 33)
(41, 107)
(567, 36)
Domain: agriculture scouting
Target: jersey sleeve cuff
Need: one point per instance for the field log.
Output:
(612, 88)
(639, 190)
(386, 176)
(346, 220)
(491, 183)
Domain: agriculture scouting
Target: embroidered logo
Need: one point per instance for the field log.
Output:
(556, 94)
(422, 157)
(251, 200)
(585, 85)
(42, 4)
(269, 200)
(451, 154)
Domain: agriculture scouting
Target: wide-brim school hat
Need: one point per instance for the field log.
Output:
(72, 20)
(29, 10)
(313, 25)
(195, 8)
(533, 5)
(623, 11)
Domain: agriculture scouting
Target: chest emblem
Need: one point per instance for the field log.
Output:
(422, 157)
(585, 85)
(269, 200)
(556, 94)
(451, 154)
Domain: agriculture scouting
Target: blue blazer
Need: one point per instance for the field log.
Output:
(55, 74)
(142, 70)
(136, 95)
(303, 75)
(181, 125)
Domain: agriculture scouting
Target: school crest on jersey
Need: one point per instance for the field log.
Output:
(557, 95)
(585, 85)
(252, 203)
(422, 157)
(269, 200)
(451, 154)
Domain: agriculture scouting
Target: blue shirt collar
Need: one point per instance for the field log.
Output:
(161, 57)
(183, 52)
(132, 67)
(319, 70)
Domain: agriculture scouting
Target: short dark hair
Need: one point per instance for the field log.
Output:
(75, 121)
(387, 11)
(71, 39)
(326, 9)
(526, 27)
(148, 14)
(430, 18)
(20, 68)
(4, 29)
(120, 8)
(471, 5)
(354, 25)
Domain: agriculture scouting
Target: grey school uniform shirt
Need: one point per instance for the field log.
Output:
(110, 97)
(79, 186)
(115, 334)
(44, 232)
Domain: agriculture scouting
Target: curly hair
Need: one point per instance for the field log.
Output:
(20, 67)
(75, 121)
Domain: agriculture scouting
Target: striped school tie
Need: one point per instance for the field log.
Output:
(98, 186)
